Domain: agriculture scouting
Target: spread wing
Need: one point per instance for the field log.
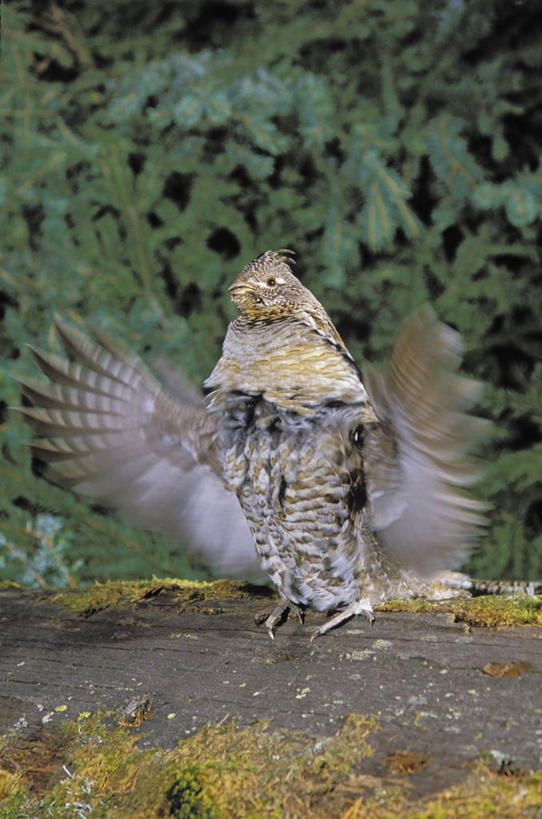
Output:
(107, 429)
(417, 458)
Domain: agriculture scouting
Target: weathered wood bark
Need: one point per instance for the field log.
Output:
(421, 673)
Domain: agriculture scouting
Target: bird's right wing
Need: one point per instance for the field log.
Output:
(417, 458)
(107, 429)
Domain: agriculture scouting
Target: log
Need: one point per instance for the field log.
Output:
(169, 657)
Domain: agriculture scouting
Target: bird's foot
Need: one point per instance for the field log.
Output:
(277, 616)
(359, 607)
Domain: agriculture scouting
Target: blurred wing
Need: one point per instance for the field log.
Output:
(107, 429)
(416, 459)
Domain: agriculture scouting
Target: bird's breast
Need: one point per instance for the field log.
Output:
(301, 486)
(296, 372)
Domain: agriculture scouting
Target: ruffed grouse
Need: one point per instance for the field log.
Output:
(352, 489)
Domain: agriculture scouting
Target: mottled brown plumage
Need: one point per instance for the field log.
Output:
(351, 487)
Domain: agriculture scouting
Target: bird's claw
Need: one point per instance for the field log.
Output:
(277, 616)
(359, 607)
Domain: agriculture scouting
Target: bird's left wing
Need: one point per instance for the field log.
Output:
(417, 458)
(106, 428)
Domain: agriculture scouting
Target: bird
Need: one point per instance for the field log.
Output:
(346, 487)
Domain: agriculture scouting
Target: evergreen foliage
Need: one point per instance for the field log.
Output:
(149, 150)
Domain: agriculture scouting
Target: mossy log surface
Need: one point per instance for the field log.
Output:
(444, 691)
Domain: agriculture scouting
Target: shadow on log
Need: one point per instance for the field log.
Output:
(362, 721)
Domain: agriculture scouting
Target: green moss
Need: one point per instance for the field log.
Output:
(187, 796)
(9, 785)
(221, 771)
(489, 611)
(14, 806)
(481, 794)
(252, 771)
(255, 770)
(130, 592)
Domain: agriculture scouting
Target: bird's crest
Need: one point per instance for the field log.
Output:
(283, 255)
(271, 257)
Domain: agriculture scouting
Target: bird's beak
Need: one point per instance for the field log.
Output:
(234, 285)
(238, 288)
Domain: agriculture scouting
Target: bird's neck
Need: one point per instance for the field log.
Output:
(288, 363)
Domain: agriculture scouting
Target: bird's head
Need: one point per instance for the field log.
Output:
(266, 289)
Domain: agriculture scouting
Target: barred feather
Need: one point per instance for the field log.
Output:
(107, 429)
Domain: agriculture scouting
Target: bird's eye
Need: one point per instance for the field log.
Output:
(271, 281)
(358, 436)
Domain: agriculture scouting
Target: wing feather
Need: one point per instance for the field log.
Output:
(106, 428)
(417, 457)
